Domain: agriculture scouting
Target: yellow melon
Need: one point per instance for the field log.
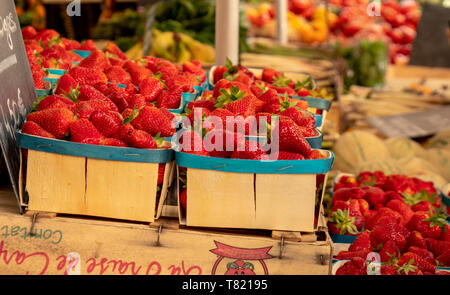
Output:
(354, 148)
(440, 140)
(386, 166)
(439, 158)
(404, 148)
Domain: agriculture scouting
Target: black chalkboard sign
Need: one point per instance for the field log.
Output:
(431, 47)
(17, 91)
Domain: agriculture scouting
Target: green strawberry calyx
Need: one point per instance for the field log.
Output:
(285, 103)
(344, 221)
(438, 218)
(73, 93)
(422, 195)
(132, 116)
(159, 140)
(407, 267)
(233, 94)
(158, 76)
(281, 81)
(305, 84)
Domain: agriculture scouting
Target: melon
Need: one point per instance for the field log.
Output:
(440, 140)
(439, 158)
(355, 148)
(386, 166)
(415, 165)
(404, 148)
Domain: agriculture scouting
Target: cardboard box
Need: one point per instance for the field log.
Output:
(89, 246)
(271, 195)
(65, 177)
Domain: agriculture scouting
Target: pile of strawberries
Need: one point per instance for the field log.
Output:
(398, 217)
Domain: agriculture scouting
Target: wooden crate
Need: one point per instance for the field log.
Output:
(74, 184)
(269, 201)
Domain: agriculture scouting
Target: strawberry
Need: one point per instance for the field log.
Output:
(84, 109)
(29, 32)
(416, 240)
(388, 269)
(96, 60)
(170, 99)
(290, 137)
(153, 121)
(246, 106)
(221, 143)
(316, 155)
(54, 121)
(345, 255)
(340, 222)
(218, 74)
(70, 44)
(136, 101)
(269, 74)
(281, 155)
(113, 142)
(183, 199)
(423, 253)
(88, 45)
(356, 266)
(114, 50)
(344, 194)
(82, 129)
(402, 208)
(230, 90)
(87, 76)
(167, 113)
(383, 232)
(446, 233)
(197, 115)
(428, 224)
(301, 118)
(391, 195)
(383, 215)
(66, 86)
(251, 151)
(151, 87)
(136, 138)
(422, 206)
(194, 69)
(191, 142)
(33, 128)
(108, 123)
(137, 72)
(131, 89)
(414, 260)
(345, 181)
(218, 118)
(87, 93)
(407, 267)
(374, 196)
(202, 103)
(56, 102)
(161, 170)
(116, 74)
(389, 251)
(362, 242)
(437, 247)
(119, 96)
(364, 207)
(444, 258)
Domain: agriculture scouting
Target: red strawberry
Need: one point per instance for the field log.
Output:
(444, 258)
(87, 76)
(218, 74)
(345, 181)
(56, 102)
(344, 194)
(137, 101)
(137, 72)
(116, 74)
(183, 199)
(113, 49)
(281, 155)
(230, 90)
(362, 242)
(429, 225)
(29, 32)
(446, 233)
(88, 45)
(383, 232)
(66, 86)
(383, 215)
(197, 115)
(437, 247)
(117, 95)
(113, 142)
(388, 269)
(364, 207)
(422, 206)
(345, 255)
(423, 253)
(389, 251)
(55, 121)
(191, 142)
(167, 113)
(340, 222)
(153, 121)
(151, 87)
(96, 60)
(136, 138)
(82, 129)
(246, 106)
(268, 75)
(251, 151)
(108, 123)
(194, 69)
(391, 195)
(289, 137)
(33, 128)
(402, 208)
(161, 170)
(302, 118)
(416, 240)
(414, 260)
(84, 109)
(374, 196)
(170, 99)
(203, 103)
(87, 93)
(356, 266)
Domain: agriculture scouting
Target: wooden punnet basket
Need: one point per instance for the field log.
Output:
(247, 194)
(82, 179)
